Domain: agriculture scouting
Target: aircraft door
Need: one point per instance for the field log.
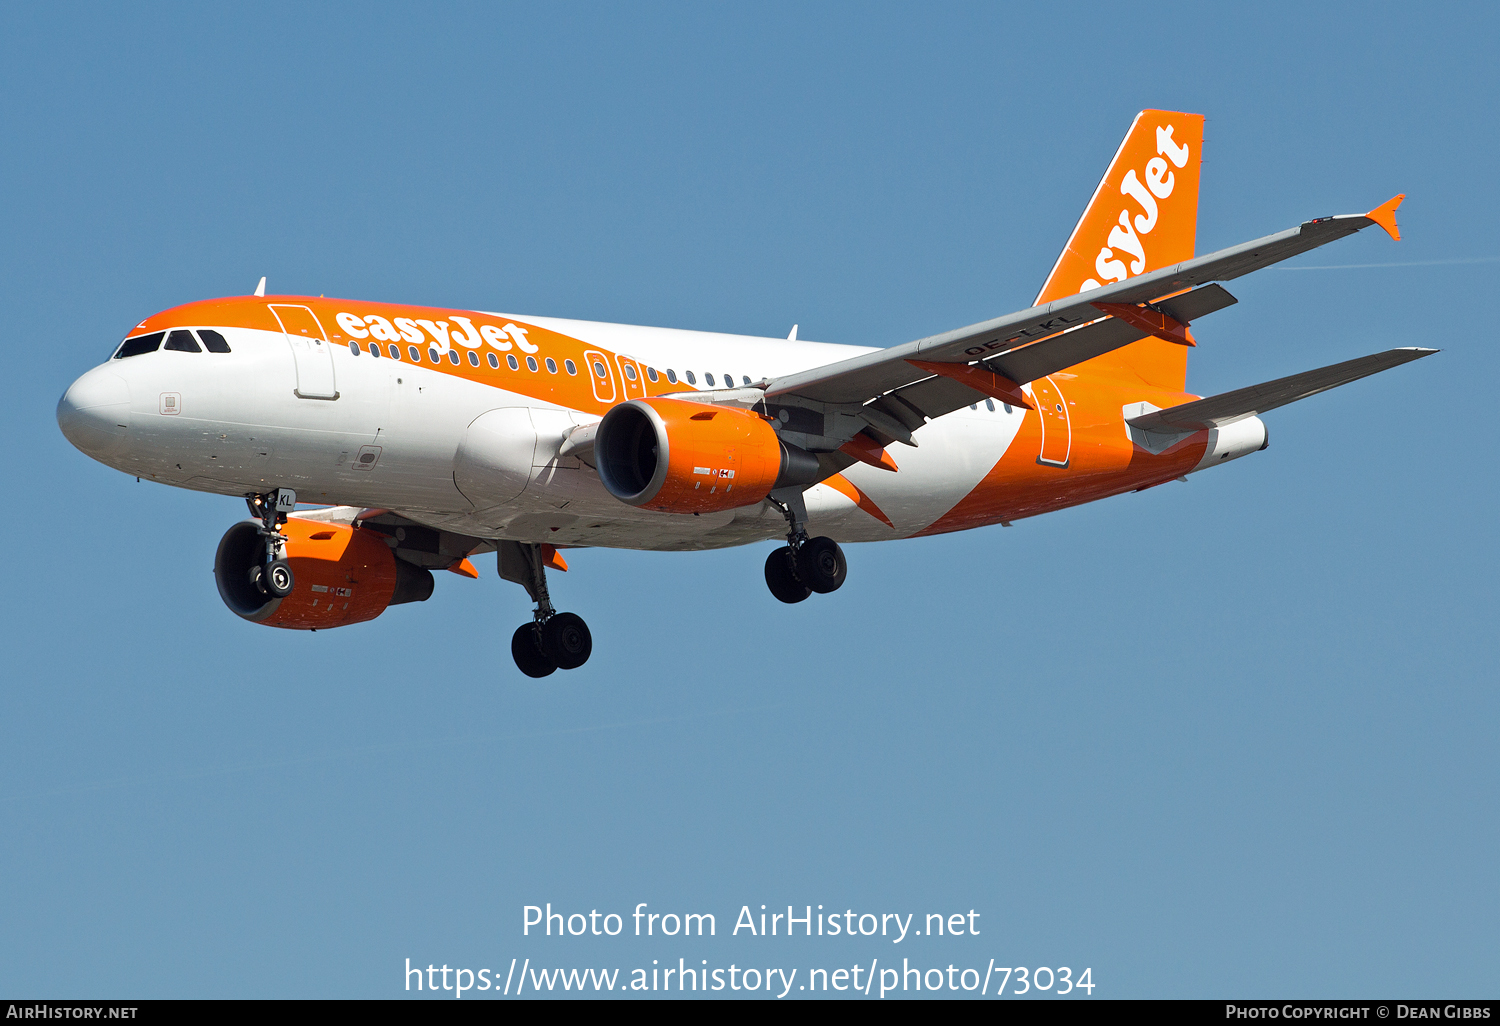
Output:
(310, 351)
(600, 376)
(1057, 428)
(630, 374)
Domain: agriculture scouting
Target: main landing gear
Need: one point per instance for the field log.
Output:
(272, 575)
(804, 565)
(553, 640)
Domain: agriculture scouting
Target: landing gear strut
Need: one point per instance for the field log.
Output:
(272, 576)
(553, 640)
(804, 565)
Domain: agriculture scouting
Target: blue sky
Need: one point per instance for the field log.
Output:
(1229, 737)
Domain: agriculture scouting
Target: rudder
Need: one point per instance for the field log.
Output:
(1143, 216)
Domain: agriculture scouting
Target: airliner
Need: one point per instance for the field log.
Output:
(416, 439)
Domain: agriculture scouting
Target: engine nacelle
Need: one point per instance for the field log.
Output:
(676, 456)
(342, 575)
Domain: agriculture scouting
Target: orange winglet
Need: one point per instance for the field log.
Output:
(847, 488)
(1150, 321)
(980, 379)
(552, 559)
(465, 569)
(865, 449)
(1385, 216)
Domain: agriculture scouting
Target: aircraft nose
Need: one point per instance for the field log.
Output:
(94, 413)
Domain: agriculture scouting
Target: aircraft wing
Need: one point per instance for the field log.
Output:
(1228, 407)
(1032, 343)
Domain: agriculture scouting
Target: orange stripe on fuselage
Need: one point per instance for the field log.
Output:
(1103, 461)
(572, 391)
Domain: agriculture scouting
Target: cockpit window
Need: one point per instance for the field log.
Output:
(182, 341)
(140, 344)
(213, 341)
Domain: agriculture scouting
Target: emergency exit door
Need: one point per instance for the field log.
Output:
(1057, 427)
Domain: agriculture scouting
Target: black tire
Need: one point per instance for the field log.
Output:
(821, 566)
(278, 578)
(529, 657)
(567, 641)
(781, 578)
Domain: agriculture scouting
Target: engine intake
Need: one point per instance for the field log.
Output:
(676, 456)
(342, 576)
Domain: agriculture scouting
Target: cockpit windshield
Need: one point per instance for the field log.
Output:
(140, 344)
(181, 340)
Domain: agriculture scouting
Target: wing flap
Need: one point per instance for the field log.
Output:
(1228, 407)
(938, 395)
(1189, 306)
(1037, 360)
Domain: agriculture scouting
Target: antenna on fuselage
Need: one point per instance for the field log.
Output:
(260, 290)
(793, 336)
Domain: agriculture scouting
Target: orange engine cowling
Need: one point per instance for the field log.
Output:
(342, 576)
(676, 456)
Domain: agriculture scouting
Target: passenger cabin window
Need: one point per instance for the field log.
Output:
(510, 361)
(414, 353)
(630, 372)
(354, 348)
(551, 365)
(729, 381)
(395, 352)
(453, 357)
(531, 364)
(746, 379)
(570, 366)
(494, 361)
(140, 344)
(651, 373)
(473, 358)
(671, 375)
(213, 341)
(708, 378)
(182, 341)
(691, 380)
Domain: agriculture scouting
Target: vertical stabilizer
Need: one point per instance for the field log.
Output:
(1143, 216)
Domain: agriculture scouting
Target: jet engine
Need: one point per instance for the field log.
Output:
(676, 456)
(341, 575)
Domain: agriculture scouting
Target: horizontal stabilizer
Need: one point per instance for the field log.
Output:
(1218, 410)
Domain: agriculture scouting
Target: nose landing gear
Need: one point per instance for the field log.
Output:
(553, 640)
(804, 565)
(272, 576)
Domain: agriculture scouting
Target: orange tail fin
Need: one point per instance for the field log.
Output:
(1143, 216)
